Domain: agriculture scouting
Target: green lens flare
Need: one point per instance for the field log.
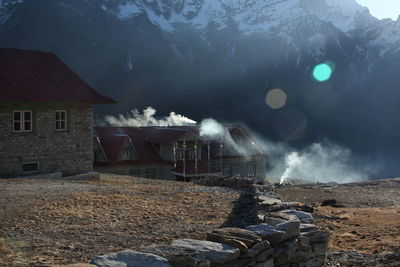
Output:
(322, 72)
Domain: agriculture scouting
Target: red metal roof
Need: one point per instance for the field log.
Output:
(164, 135)
(41, 77)
(112, 140)
(145, 141)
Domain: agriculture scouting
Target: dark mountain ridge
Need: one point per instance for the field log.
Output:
(206, 58)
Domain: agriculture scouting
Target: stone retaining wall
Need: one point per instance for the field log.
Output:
(285, 236)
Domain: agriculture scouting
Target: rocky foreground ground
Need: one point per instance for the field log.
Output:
(363, 219)
(44, 221)
(47, 222)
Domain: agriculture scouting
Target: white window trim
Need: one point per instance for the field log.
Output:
(22, 121)
(229, 167)
(66, 121)
(251, 167)
(129, 154)
(152, 173)
(33, 162)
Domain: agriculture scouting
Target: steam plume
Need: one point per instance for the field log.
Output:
(320, 162)
(213, 130)
(137, 119)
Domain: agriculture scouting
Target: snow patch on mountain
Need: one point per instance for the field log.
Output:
(128, 10)
(6, 7)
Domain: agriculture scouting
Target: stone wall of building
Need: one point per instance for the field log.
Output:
(68, 151)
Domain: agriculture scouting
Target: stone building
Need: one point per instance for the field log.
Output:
(46, 115)
(175, 153)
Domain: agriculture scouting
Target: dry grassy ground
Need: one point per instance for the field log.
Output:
(43, 221)
(368, 222)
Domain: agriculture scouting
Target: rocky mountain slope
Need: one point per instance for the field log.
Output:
(207, 58)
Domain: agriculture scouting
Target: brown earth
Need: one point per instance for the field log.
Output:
(366, 219)
(45, 221)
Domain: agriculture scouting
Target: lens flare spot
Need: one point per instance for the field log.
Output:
(323, 72)
(276, 98)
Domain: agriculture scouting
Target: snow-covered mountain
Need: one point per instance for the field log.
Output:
(280, 18)
(195, 56)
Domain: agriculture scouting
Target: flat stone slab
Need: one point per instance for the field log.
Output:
(268, 201)
(267, 232)
(130, 258)
(306, 227)
(216, 253)
(273, 221)
(69, 265)
(229, 240)
(283, 216)
(304, 217)
(178, 256)
(248, 237)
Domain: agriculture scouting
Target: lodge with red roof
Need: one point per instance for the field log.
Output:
(175, 153)
(46, 115)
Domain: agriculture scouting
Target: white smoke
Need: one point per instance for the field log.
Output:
(137, 119)
(321, 162)
(215, 131)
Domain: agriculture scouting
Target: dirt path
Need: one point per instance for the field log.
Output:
(44, 221)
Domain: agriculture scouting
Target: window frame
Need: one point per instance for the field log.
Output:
(251, 167)
(61, 120)
(191, 154)
(180, 154)
(150, 174)
(33, 162)
(22, 121)
(227, 167)
(129, 154)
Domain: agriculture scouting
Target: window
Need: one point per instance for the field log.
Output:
(151, 174)
(97, 155)
(125, 155)
(251, 170)
(191, 154)
(61, 120)
(22, 121)
(135, 173)
(30, 167)
(179, 154)
(227, 170)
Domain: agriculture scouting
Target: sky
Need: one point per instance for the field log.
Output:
(382, 8)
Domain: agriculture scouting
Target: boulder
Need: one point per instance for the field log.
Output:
(257, 249)
(267, 263)
(304, 243)
(291, 229)
(316, 262)
(319, 248)
(235, 242)
(178, 256)
(130, 258)
(216, 253)
(246, 236)
(304, 217)
(317, 236)
(267, 232)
